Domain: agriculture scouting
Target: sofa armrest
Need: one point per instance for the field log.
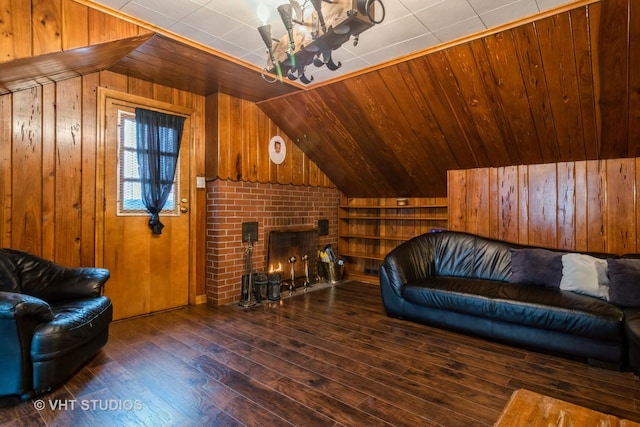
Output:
(411, 261)
(17, 306)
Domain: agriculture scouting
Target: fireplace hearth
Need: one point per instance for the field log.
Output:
(285, 244)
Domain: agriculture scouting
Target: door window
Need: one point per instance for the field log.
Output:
(129, 187)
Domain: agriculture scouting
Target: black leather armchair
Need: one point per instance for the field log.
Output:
(52, 319)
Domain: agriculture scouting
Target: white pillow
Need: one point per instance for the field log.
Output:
(586, 275)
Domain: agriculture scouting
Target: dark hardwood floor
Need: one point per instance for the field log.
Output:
(327, 357)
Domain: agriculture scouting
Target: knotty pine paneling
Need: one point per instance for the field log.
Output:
(584, 205)
(46, 25)
(6, 134)
(26, 171)
(15, 27)
(634, 81)
(238, 135)
(75, 21)
(614, 74)
(38, 27)
(48, 149)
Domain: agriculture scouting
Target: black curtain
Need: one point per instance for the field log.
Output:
(158, 137)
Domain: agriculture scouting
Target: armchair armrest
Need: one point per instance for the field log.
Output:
(80, 282)
(16, 306)
(53, 282)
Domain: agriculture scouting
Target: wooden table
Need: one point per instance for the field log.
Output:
(526, 408)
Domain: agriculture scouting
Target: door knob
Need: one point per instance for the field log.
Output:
(184, 209)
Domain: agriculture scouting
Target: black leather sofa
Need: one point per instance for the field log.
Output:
(52, 321)
(462, 282)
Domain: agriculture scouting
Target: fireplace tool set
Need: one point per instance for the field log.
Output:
(248, 297)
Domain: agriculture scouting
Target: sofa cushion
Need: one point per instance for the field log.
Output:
(75, 323)
(533, 306)
(624, 282)
(535, 266)
(585, 274)
(465, 255)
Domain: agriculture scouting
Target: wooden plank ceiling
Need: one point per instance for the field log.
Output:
(151, 57)
(29, 72)
(552, 90)
(171, 63)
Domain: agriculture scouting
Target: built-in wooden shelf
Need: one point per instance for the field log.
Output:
(368, 229)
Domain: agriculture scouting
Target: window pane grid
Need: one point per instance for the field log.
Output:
(129, 182)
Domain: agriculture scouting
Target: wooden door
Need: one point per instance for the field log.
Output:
(149, 272)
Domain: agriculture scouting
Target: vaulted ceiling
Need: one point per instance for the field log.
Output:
(558, 87)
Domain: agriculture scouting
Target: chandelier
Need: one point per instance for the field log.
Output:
(313, 33)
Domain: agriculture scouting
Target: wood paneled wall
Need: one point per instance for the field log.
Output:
(48, 134)
(584, 205)
(48, 155)
(238, 134)
(37, 27)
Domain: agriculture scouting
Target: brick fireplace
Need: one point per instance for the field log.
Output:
(293, 242)
(275, 207)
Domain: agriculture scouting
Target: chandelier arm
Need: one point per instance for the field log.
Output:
(306, 80)
(332, 65)
(369, 8)
(264, 76)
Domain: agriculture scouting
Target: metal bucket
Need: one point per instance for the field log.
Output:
(332, 271)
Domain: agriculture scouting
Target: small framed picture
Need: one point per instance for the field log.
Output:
(277, 150)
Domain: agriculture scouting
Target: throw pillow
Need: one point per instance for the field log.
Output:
(585, 274)
(624, 286)
(533, 266)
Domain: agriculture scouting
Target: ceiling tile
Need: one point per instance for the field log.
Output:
(230, 48)
(445, 14)
(246, 11)
(245, 37)
(403, 48)
(392, 10)
(484, 6)
(148, 15)
(211, 22)
(460, 29)
(258, 57)
(551, 4)
(114, 4)
(176, 9)
(194, 34)
(508, 13)
(416, 5)
(390, 33)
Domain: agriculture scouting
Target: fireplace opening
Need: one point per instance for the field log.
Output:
(285, 244)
